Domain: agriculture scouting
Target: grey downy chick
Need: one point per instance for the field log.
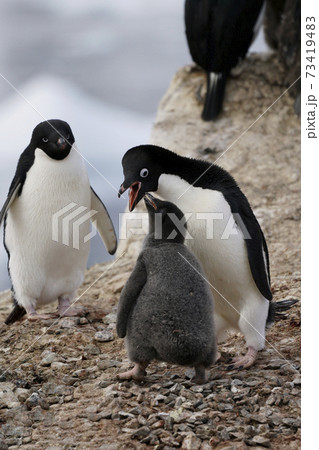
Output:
(166, 307)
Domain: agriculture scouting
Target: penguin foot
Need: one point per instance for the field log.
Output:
(200, 375)
(65, 309)
(33, 317)
(243, 362)
(137, 373)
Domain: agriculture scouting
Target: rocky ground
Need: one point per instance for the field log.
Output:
(58, 387)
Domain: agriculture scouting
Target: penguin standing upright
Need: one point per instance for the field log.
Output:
(50, 180)
(226, 236)
(166, 308)
(219, 34)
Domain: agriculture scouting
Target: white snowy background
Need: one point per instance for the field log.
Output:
(101, 65)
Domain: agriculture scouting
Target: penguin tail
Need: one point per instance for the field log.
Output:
(216, 83)
(16, 314)
(277, 310)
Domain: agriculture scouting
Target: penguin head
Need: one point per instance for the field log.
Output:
(54, 137)
(142, 167)
(165, 221)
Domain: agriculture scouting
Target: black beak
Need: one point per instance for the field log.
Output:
(61, 142)
(121, 190)
(150, 201)
(134, 194)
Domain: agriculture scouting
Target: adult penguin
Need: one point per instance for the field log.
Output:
(225, 236)
(50, 183)
(219, 34)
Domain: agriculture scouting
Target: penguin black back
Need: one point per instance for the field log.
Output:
(219, 33)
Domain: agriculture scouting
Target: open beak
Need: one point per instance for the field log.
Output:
(133, 194)
(150, 200)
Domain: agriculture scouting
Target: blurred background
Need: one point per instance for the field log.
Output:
(101, 65)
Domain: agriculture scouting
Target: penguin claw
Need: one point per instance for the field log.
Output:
(243, 362)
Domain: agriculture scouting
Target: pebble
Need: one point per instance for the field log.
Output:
(104, 336)
(297, 380)
(140, 433)
(191, 442)
(109, 318)
(22, 394)
(83, 321)
(48, 358)
(7, 397)
(68, 323)
(261, 440)
(275, 363)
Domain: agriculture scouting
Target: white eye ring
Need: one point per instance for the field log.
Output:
(68, 137)
(144, 173)
(44, 139)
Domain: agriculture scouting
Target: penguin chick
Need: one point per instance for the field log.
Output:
(50, 181)
(226, 236)
(166, 307)
(219, 34)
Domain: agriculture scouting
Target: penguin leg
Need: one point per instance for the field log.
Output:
(200, 375)
(66, 310)
(29, 305)
(137, 373)
(252, 323)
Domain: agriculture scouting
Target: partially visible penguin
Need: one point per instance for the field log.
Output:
(166, 307)
(51, 181)
(282, 31)
(219, 34)
(226, 237)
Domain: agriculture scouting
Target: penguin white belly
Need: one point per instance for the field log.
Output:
(42, 269)
(218, 244)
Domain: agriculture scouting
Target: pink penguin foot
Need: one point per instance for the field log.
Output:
(33, 317)
(66, 310)
(243, 362)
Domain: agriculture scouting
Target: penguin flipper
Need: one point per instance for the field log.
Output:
(129, 295)
(216, 83)
(12, 195)
(104, 223)
(255, 242)
(16, 314)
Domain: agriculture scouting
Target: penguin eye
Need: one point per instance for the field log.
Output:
(68, 137)
(44, 139)
(144, 173)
